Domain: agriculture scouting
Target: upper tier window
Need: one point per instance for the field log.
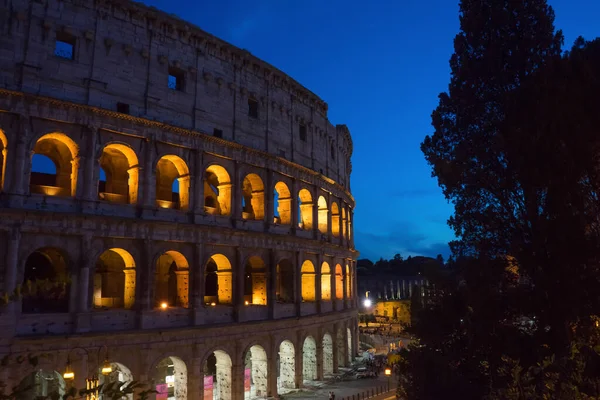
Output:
(303, 132)
(252, 108)
(64, 46)
(175, 79)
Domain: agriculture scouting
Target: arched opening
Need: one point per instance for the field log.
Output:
(42, 384)
(286, 376)
(121, 170)
(217, 376)
(322, 213)
(3, 152)
(284, 288)
(172, 183)
(120, 377)
(349, 352)
(341, 347)
(327, 354)
(171, 283)
(283, 200)
(217, 191)
(114, 280)
(170, 379)
(344, 222)
(255, 373)
(348, 283)
(55, 173)
(253, 198)
(305, 203)
(308, 281)
(217, 280)
(309, 359)
(46, 282)
(339, 282)
(255, 281)
(335, 219)
(325, 282)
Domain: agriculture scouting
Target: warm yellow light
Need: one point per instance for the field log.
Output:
(388, 371)
(213, 304)
(69, 374)
(246, 302)
(106, 368)
(163, 305)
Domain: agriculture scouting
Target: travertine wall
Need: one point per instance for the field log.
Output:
(106, 253)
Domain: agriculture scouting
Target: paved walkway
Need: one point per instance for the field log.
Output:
(344, 389)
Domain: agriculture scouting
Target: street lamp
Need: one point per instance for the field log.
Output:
(388, 373)
(106, 369)
(367, 303)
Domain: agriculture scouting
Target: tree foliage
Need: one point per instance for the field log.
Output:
(516, 150)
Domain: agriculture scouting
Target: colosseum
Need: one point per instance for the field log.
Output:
(173, 210)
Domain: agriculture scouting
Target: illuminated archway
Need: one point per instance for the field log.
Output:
(339, 282)
(322, 214)
(253, 198)
(42, 384)
(46, 282)
(255, 281)
(283, 201)
(309, 359)
(120, 377)
(3, 153)
(121, 169)
(284, 288)
(325, 282)
(172, 183)
(335, 219)
(255, 373)
(63, 153)
(308, 281)
(171, 280)
(286, 378)
(170, 379)
(306, 210)
(344, 223)
(114, 280)
(217, 376)
(217, 191)
(217, 280)
(327, 354)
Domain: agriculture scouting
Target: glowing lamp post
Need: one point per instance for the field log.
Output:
(163, 305)
(388, 373)
(367, 303)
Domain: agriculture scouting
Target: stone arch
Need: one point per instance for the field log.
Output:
(217, 190)
(120, 376)
(349, 352)
(335, 219)
(63, 152)
(255, 372)
(322, 215)
(46, 282)
(283, 200)
(171, 283)
(42, 384)
(286, 375)
(344, 223)
(284, 286)
(255, 281)
(305, 204)
(253, 198)
(217, 376)
(308, 281)
(3, 153)
(114, 279)
(170, 377)
(325, 281)
(309, 359)
(327, 354)
(172, 171)
(120, 166)
(339, 282)
(217, 280)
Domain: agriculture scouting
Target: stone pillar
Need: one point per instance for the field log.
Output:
(318, 280)
(345, 280)
(298, 283)
(184, 192)
(341, 223)
(269, 200)
(271, 284)
(197, 285)
(10, 274)
(315, 214)
(195, 381)
(236, 193)
(329, 219)
(82, 323)
(149, 182)
(299, 358)
(238, 285)
(295, 218)
(183, 287)
(237, 380)
(320, 361)
(74, 174)
(90, 187)
(272, 372)
(144, 281)
(20, 157)
(198, 183)
(333, 285)
(335, 347)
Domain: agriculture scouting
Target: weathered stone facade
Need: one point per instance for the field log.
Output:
(197, 224)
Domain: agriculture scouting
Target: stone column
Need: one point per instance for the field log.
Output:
(236, 193)
(184, 192)
(237, 380)
(3, 171)
(272, 372)
(320, 360)
(329, 219)
(333, 285)
(89, 161)
(183, 292)
(83, 322)
(149, 182)
(21, 156)
(144, 281)
(197, 285)
(238, 285)
(195, 381)
(294, 204)
(345, 280)
(335, 347)
(315, 214)
(298, 283)
(341, 224)
(271, 284)
(318, 281)
(10, 274)
(269, 200)
(198, 183)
